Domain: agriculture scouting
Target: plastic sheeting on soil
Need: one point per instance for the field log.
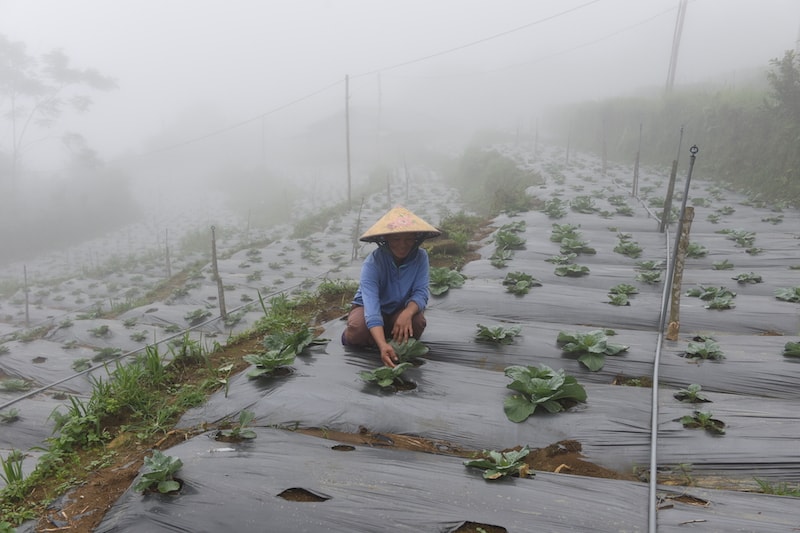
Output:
(375, 489)
(461, 387)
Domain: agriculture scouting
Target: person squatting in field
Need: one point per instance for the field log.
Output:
(393, 288)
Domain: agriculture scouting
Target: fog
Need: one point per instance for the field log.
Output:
(208, 89)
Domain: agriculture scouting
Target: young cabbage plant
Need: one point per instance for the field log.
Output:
(791, 349)
(500, 258)
(519, 226)
(629, 248)
(591, 347)
(623, 288)
(649, 265)
(409, 351)
(572, 271)
(583, 204)
(650, 277)
(267, 362)
(508, 240)
(710, 293)
(691, 394)
(555, 208)
(564, 231)
(158, 475)
(704, 420)
(542, 387)
(576, 246)
(385, 376)
(442, 279)
(520, 283)
(562, 259)
(721, 302)
(748, 277)
(497, 465)
(790, 294)
(293, 342)
(618, 299)
(722, 265)
(498, 334)
(695, 250)
(241, 432)
(704, 348)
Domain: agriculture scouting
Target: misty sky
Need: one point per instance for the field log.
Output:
(239, 59)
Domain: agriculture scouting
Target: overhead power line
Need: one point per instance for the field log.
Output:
(479, 41)
(327, 87)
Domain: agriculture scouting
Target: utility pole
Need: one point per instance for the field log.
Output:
(347, 135)
(676, 43)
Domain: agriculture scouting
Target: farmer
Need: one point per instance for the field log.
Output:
(393, 289)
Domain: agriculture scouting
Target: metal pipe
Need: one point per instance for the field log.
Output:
(653, 484)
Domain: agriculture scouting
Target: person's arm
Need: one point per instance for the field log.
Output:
(388, 355)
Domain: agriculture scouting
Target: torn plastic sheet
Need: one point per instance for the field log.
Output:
(366, 489)
(375, 489)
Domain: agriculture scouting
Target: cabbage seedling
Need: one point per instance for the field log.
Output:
(629, 248)
(561, 259)
(385, 376)
(520, 283)
(705, 349)
(564, 231)
(791, 294)
(540, 387)
(408, 351)
(792, 349)
(159, 470)
(241, 432)
(500, 258)
(496, 464)
(722, 265)
(269, 361)
(691, 394)
(498, 334)
(695, 250)
(576, 246)
(623, 288)
(572, 271)
(649, 265)
(703, 419)
(442, 279)
(555, 208)
(748, 277)
(618, 299)
(710, 293)
(649, 276)
(294, 342)
(591, 347)
(508, 240)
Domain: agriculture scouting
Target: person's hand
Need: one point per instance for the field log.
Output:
(388, 355)
(403, 329)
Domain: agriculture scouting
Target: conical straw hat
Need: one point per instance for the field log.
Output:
(399, 220)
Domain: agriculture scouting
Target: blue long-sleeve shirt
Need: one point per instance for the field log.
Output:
(386, 288)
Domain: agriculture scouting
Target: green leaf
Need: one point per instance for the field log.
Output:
(592, 361)
(411, 349)
(792, 349)
(518, 408)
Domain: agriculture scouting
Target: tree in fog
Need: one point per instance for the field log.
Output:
(34, 92)
(784, 108)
